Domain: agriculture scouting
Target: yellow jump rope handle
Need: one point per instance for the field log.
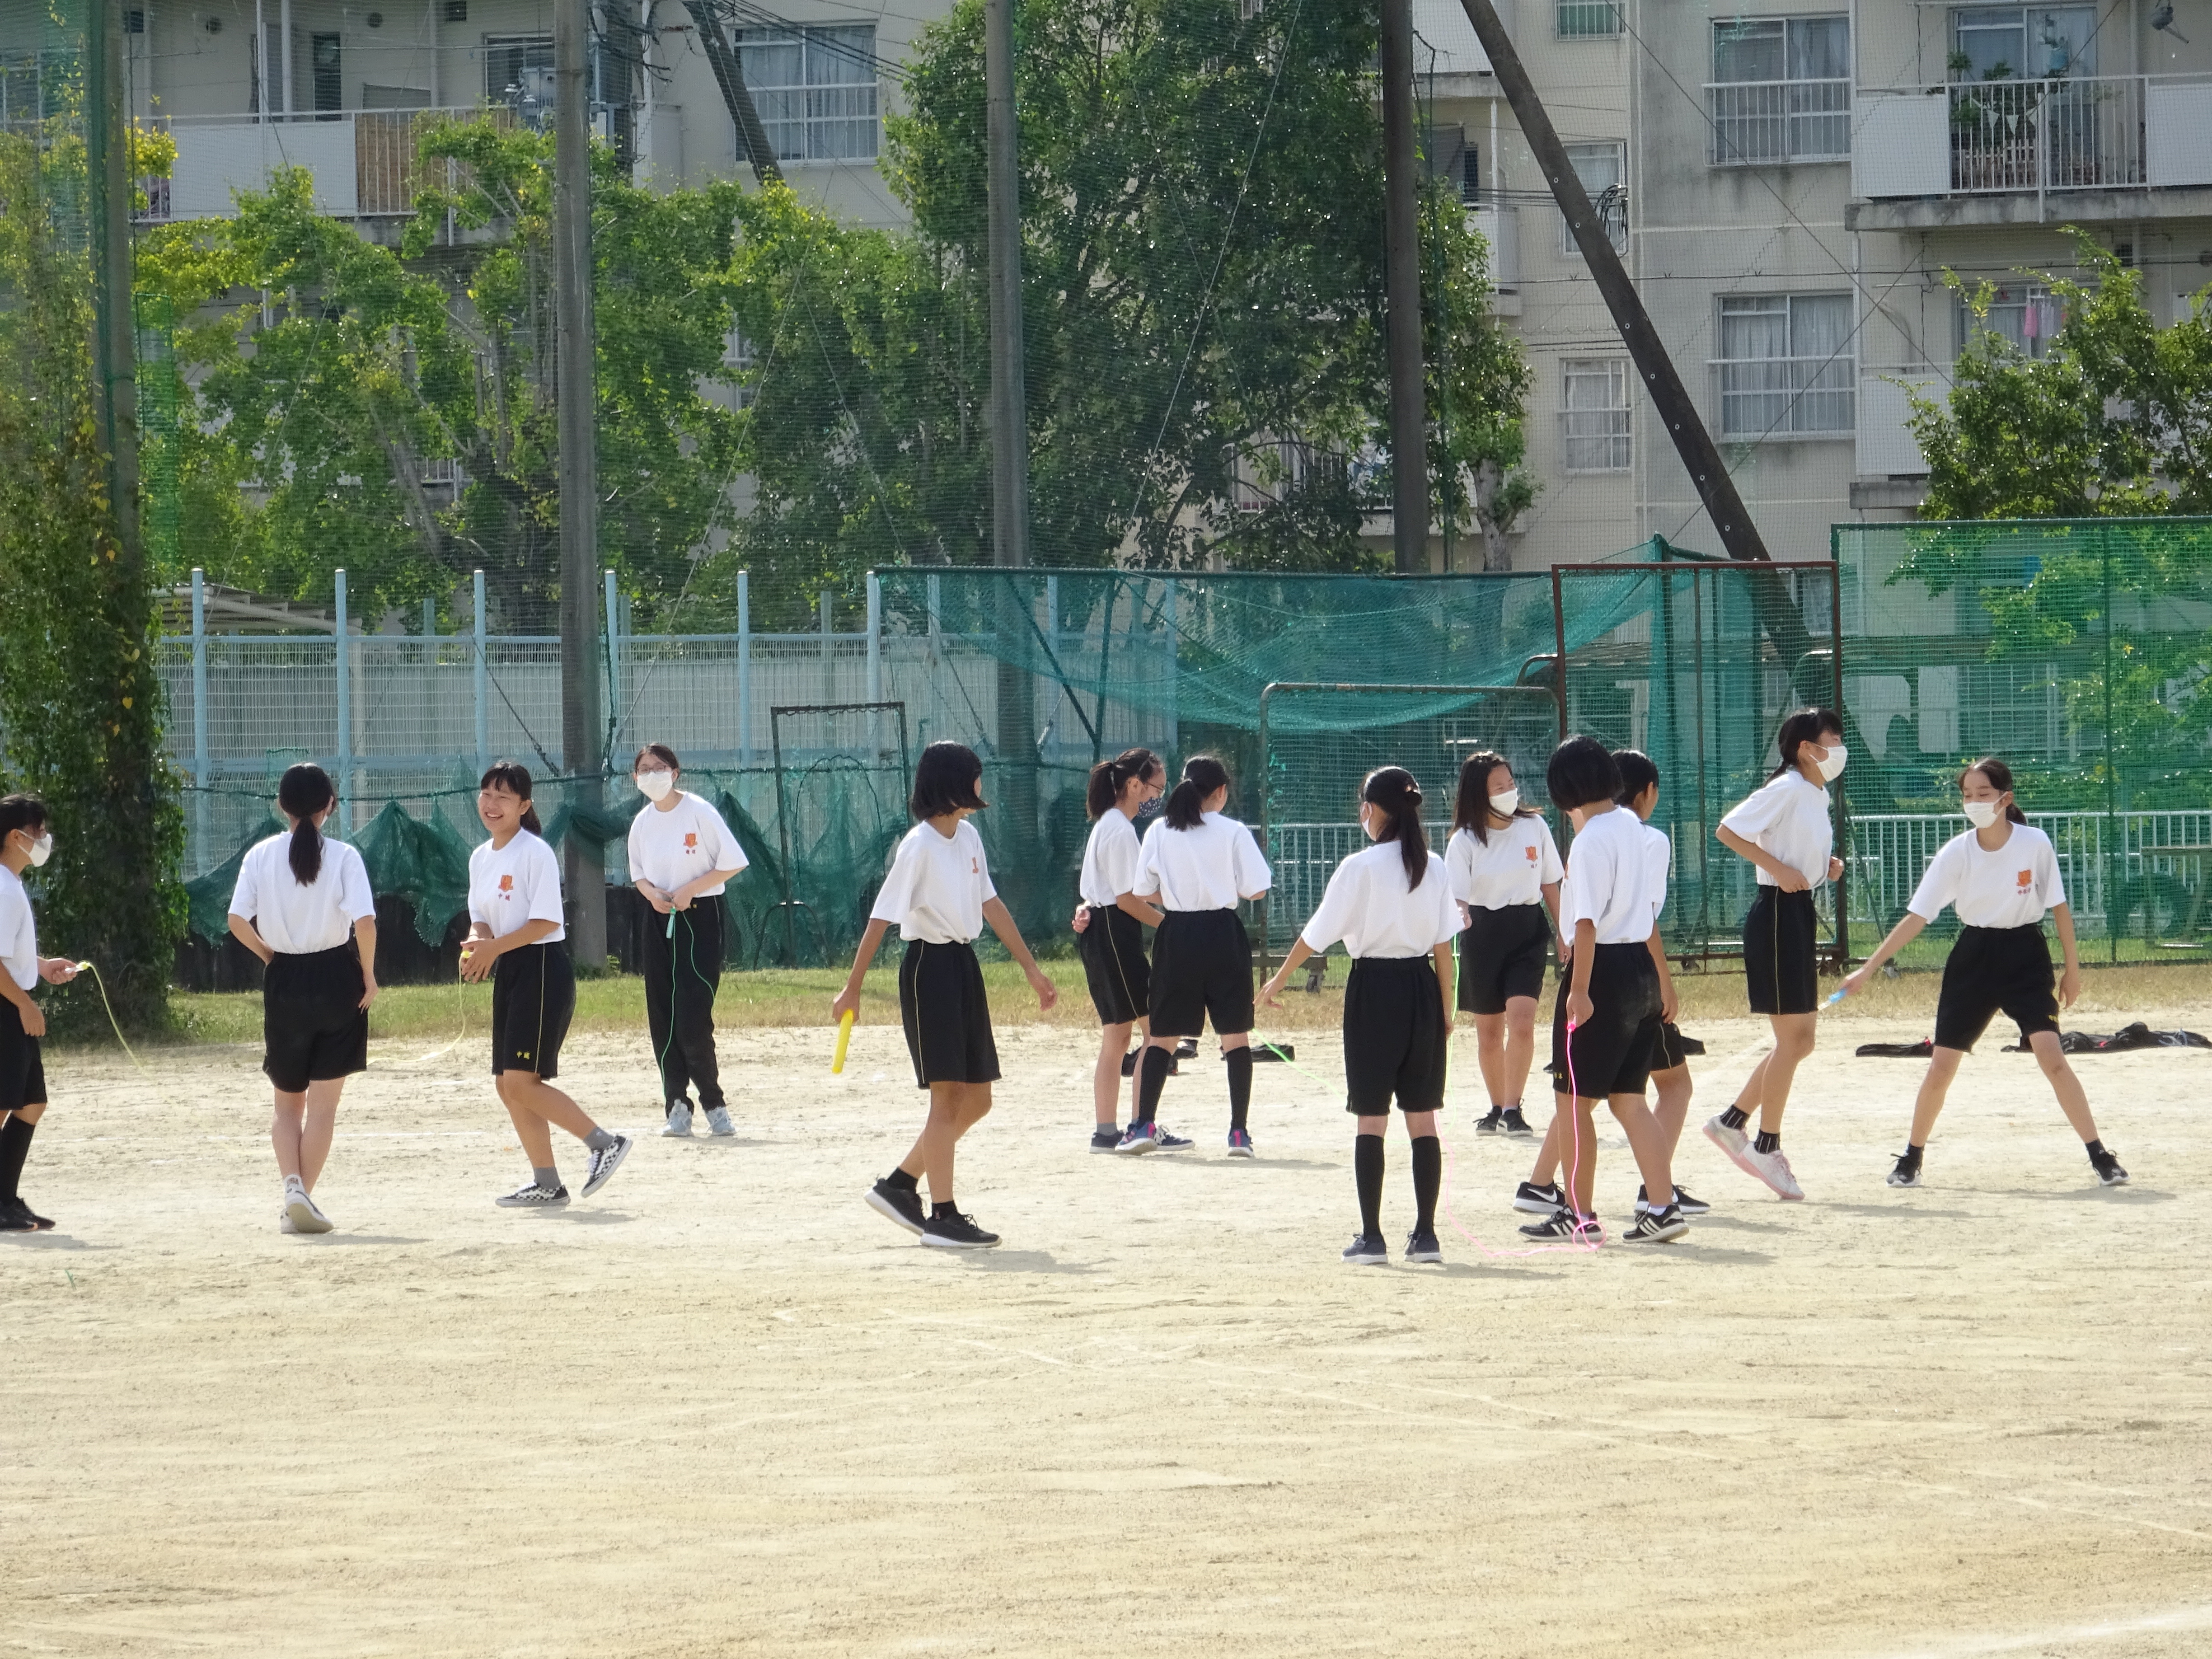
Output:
(844, 1036)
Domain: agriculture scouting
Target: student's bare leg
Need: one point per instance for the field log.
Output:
(1490, 1054)
(1106, 1076)
(1520, 1047)
(2073, 1100)
(532, 1103)
(284, 1133)
(1547, 1155)
(1579, 1152)
(1648, 1142)
(1793, 1044)
(1943, 1067)
(954, 1109)
(318, 1129)
(1672, 1107)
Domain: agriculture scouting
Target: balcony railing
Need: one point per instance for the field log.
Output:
(1787, 396)
(1765, 122)
(364, 163)
(1987, 137)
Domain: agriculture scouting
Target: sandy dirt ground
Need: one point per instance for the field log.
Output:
(724, 1408)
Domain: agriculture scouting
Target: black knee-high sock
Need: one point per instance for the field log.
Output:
(1428, 1177)
(1367, 1170)
(1151, 1078)
(15, 1147)
(1240, 1086)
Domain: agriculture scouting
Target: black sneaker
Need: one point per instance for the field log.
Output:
(1907, 1172)
(1185, 1049)
(901, 1205)
(603, 1162)
(949, 1229)
(1656, 1226)
(1368, 1250)
(2107, 1167)
(17, 1206)
(1104, 1139)
(1539, 1201)
(1129, 1060)
(1423, 1247)
(1564, 1227)
(15, 1218)
(1515, 1124)
(1683, 1202)
(1491, 1122)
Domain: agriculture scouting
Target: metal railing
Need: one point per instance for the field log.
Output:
(365, 162)
(2085, 134)
(1763, 123)
(1784, 397)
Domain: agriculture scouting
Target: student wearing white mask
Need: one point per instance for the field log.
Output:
(1504, 870)
(681, 856)
(2001, 877)
(1784, 830)
(26, 842)
(303, 906)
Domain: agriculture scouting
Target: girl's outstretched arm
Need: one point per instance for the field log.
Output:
(1002, 924)
(1900, 936)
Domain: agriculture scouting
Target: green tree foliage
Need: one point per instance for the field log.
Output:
(80, 705)
(2115, 420)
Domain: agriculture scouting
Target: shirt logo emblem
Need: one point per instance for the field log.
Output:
(506, 885)
(1531, 852)
(2024, 879)
(690, 840)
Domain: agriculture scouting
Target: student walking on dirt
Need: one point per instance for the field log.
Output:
(681, 856)
(518, 938)
(1504, 870)
(2001, 877)
(1784, 829)
(939, 896)
(26, 843)
(1109, 924)
(303, 906)
(1198, 864)
(1391, 904)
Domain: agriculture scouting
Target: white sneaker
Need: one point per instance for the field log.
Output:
(679, 1120)
(300, 1210)
(1733, 1141)
(718, 1122)
(1773, 1169)
(284, 1221)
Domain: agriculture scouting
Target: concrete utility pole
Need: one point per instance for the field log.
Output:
(730, 76)
(1401, 237)
(1010, 434)
(109, 130)
(584, 868)
(1739, 536)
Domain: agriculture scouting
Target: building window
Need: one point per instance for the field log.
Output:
(2026, 314)
(1587, 18)
(1781, 90)
(2011, 43)
(1786, 365)
(1594, 415)
(815, 89)
(1599, 166)
(518, 70)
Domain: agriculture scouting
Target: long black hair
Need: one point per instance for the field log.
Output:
(2000, 777)
(1396, 791)
(514, 777)
(303, 791)
(1471, 810)
(1111, 777)
(1804, 727)
(1201, 775)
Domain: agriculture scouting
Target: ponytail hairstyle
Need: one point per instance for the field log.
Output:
(1804, 727)
(1393, 789)
(1111, 777)
(302, 792)
(514, 777)
(1471, 810)
(1201, 775)
(2000, 778)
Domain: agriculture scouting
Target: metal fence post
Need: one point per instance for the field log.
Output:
(829, 661)
(613, 623)
(744, 668)
(345, 713)
(1168, 614)
(482, 678)
(199, 716)
(875, 662)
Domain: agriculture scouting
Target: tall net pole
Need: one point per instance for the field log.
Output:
(1402, 231)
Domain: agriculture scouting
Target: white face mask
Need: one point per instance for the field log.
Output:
(656, 784)
(1832, 768)
(1982, 813)
(1504, 802)
(42, 850)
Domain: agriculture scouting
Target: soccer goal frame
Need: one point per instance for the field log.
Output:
(1537, 696)
(791, 904)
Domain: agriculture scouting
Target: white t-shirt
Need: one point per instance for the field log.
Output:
(19, 930)
(682, 844)
(1208, 866)
(1512, 867)
(1369, 907)
(2011, 887)
(517, 883)
(294, 918)
(1789, 818)
(1660, 850)
(937, 886)
(1609, 880)
(1110, 858)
